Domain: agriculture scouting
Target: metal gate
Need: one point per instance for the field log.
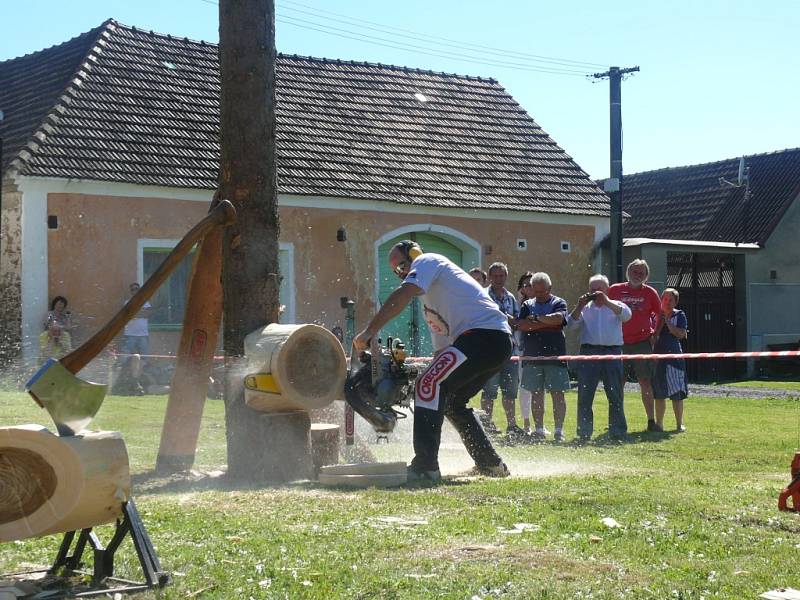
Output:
(708, 297)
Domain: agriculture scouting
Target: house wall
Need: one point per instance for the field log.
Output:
(94, 253)
(773, 316)
(10, 271)
(91, 227)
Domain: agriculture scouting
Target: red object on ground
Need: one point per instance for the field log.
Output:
(793, 489)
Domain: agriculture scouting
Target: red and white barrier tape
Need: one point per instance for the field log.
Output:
(689, 355)
(765, 354)
(123, 355)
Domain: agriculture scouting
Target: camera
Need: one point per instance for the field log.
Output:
(591, 295)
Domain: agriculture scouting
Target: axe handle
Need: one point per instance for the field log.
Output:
(223, 214)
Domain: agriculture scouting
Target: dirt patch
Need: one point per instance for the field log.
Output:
(549, 564)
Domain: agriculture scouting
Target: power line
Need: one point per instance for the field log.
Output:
(430, 38)
(551, 65)
(348, 34)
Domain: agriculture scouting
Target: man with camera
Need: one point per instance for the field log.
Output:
(600, 322)
(472, 340)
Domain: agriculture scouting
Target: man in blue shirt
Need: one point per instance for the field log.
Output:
(508, 377)
(541, 319)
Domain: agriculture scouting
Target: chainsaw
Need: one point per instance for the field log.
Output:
(381, 384)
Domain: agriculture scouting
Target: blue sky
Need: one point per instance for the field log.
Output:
(719, 79)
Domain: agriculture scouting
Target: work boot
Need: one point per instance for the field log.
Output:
(416, 477)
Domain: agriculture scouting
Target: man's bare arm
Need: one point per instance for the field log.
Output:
(393, 306)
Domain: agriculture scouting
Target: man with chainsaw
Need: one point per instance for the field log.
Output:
(472, 340)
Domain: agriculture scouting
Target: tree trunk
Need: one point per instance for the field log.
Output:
(260, 447)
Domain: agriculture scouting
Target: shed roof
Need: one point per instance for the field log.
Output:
(119, 104)
(695, 202)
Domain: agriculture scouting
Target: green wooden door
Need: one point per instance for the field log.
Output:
(410, 326)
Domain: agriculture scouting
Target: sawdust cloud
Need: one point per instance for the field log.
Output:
(453, 457)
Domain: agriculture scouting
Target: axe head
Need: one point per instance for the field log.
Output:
(71, 402)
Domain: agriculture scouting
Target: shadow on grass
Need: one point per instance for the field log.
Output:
(605, 440)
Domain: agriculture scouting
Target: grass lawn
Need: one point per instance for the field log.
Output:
(697, 514)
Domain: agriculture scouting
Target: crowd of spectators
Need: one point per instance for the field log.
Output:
(628, 318)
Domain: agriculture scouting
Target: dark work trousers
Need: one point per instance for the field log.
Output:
(589, 375)
(486, 351)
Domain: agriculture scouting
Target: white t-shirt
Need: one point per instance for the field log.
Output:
(453, 301)
(138, 325)
(601, 326)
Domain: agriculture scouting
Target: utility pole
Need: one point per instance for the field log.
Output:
(613, 185)
(261, 447)
(2, 176)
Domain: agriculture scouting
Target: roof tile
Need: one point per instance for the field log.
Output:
(694, 202)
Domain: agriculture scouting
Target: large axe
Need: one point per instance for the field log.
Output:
(72, 402)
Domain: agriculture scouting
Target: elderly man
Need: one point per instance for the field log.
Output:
(542, 319)
(472, 340)
(600, 320)
(508, 377)
(638, 332)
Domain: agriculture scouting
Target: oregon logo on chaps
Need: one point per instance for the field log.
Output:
(427, 388)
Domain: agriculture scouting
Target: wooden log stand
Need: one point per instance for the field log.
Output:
(69, 561)
(51, 484)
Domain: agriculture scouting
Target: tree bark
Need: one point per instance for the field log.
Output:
(260, 447)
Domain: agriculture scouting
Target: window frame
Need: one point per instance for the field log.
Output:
(166, 245)
(159, 245)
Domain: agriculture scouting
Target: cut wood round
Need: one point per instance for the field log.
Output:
(372, 468)
(364, 475)
(324, 444)
(51, 484)
(364, 481)
(293, 367)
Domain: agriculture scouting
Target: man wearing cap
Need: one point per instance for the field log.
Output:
(472, 340)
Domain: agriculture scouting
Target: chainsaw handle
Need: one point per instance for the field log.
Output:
(223, 214)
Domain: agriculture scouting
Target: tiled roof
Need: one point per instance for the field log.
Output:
(31, 86)
(143, 108)
(692, 203)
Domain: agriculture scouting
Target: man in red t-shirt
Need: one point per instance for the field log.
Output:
(637, 333)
